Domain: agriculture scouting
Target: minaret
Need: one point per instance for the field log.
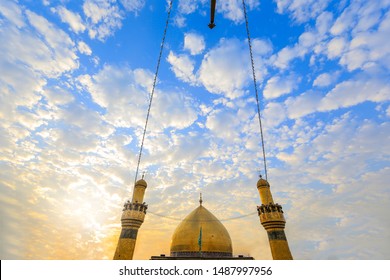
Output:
(132, 218)
(272, 219)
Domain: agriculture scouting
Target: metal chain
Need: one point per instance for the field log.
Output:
(153, 88)
(256, 91)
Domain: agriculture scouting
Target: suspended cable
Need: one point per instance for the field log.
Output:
(153, 88)
(255, 84)
(181, 219)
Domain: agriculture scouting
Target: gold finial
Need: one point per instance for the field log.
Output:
(200, 199)
(143, 174)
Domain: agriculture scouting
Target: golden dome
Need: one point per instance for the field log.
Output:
(141, 182)
(216, 241)
(262, 183)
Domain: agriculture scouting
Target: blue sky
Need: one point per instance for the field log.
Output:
(74, 89)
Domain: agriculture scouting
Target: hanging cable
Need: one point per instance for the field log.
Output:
(181, 219)
(255, 84)
(153, 88)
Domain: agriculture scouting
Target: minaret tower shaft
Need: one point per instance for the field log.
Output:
(132, 218)
(272, 219)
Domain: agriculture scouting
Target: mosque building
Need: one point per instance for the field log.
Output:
(201, 236)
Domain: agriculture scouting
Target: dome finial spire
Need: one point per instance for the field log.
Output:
(261, 176)
(200, 199)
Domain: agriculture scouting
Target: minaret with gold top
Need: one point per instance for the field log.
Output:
(132, 218)
(272, 219)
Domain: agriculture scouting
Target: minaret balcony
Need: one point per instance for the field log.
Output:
(142, 207)
(271, 216)
(133, 214)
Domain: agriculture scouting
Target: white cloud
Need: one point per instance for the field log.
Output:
(356, 171)
(182, 66)
(354, 59)
(341, 218)
(115, 89)
(360, 53)
(144, 78)
(302, 105)
(12, 12)
(368, 29)
(274, 114)
(359, 16)
(56, 46)
(33, 55)
(344, 95)
(174, 149)
(353, 92)
(97, 11)
(230, 122)
(369, 16)
(230, 9)
(133, 5)
(74, 20)
(261, 47)
(233, 10)
(224, 124)
(84, 48)
(179, 21)
(309, 41)
(343, 22)
(346, 141)
(302, 10)
(324, 22)
(14, 93)
(218, 74)
(283, 58)
(325, 79)
(262, 50)
(194, 43)
(278, 86)
(226, 76)
(356, 38)
(369, 46)
(58, 96)
(80, 116)
(173, 109)
(124, 94)
(336, 47)
(187, 6)
(104, 17)
(45, 136)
